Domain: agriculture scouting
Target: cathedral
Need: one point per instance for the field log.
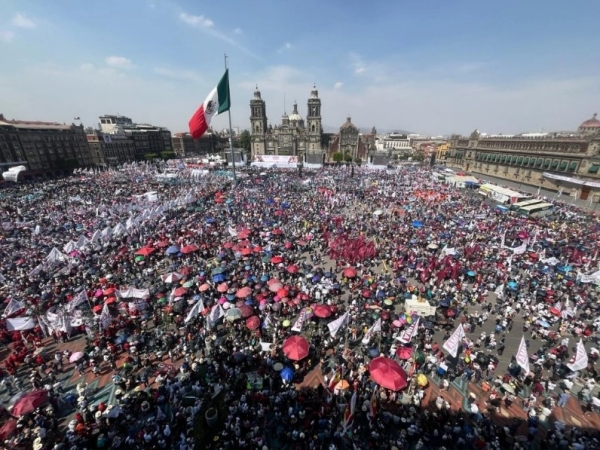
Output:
(294, 136)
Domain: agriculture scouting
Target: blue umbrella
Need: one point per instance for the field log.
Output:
(172, 250)
(471, 273)
(287, 374)
(512, 284)
(270, 201)
(196, 298)
(285, 205)
(445, 302)
(218, 278)
(249, 302)
(264, 278)
(121, 339)
(417, 224)
(543, 323)
(209, 220)
(373, 353)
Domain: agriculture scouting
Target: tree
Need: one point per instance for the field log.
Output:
(348, 158)
(168, 155)
(338, 157)
(150, 156)
(245, 140)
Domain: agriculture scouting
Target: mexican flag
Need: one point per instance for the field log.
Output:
(217, 102)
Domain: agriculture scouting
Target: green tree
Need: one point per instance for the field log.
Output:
(348, 158)
(338, 157)
(168, 155)
(245, 140)
(150, 156)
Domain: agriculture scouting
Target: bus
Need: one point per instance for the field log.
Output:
(531, 201)
(538, 210)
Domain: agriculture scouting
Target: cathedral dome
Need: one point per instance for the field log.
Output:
(295, 116)
(591, 123)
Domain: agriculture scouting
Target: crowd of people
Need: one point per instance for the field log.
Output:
(272, 313)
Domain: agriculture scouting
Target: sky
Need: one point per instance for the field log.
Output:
(434, 67)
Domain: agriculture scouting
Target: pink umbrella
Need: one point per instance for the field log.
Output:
(76, 357)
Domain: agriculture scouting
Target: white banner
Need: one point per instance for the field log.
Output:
(276, 159)
(79, 299)
(581, 358)
(20, 323)
(300, 322)
(453, 342)
(335, 326)
(408, 334)
(522, 357)
(374, 329)
(499, 291)
(198, 307)
(13, 307)
(133, 293)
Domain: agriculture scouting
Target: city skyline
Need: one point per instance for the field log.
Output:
(433, 69)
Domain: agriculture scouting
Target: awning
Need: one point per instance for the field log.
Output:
(577, 181)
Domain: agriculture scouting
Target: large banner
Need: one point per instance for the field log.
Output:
(276, 159)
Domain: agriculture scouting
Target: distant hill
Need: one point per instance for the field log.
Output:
(328, 129)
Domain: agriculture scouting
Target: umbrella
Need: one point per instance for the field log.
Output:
(403, 352)
(253, 322)
(293, 268)
(287, 374)
(223, 287)
(508, 388)
(189, 249)
(342, 385)
(205, 287)
(243, 292)
(233, 314)
(217, 271)
(388, 373)
(218, 278)
(145, 251)
(246, 310)
(322, 311)
(417, 224)
(180, 291)
(543, 323)
(75, 357)
(555, 311)
(296, 348)
(276, 259)
(172, 277)
(30, 402)
(172, 250)
(349, 272)
(7, 429)
(275, 287)
(422, 380)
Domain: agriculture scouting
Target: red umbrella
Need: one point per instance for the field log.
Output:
(349, 272)
(110, 300)
(7, 429)
(30, 402)
(257, 249)
(244, 243)
(179, 291)
(276, 259)
(366, 293)
(388, 373)
(205, 287)
(403, 352)
(555, 311)
(145, 251)
(243, 234)
(228, 244)
(162, 244)
(296, 348)
(97, 309)
(246, 251)
(281, 292)
(222, 287)
(273, 281)
(293, 268)
(108, 291)
(253, 322)
(277, 231)
(246, 310)
(321, 311)
(189, 249)
(185, 270)
(275, 287)
(243, 292)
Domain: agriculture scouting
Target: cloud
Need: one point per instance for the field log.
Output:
(284, 47)
(86, 67)
(179, 74)
(196, 21)
(118, 62)
(208, 27)
(6, 36)
(237, 31)
(359, 70)
(20, 21)
(338, 85)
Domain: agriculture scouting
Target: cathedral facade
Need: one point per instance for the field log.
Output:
(293, 137)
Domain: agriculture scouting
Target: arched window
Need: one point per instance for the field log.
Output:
(313, 128)
(257, 128)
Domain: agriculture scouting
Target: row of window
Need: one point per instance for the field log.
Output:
(527, 161)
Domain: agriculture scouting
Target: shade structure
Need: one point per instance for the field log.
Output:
(7, 429)
(172, 277)
(205, 287)
(108, 291)
(145, 251)
(75, 357)
(321, 311)
(296, 348)
(276, 259)
(349, 272)
(246, 310)
(243, 292)
(273, 281)
(275, 287)
(30, 402)
(293, 268)
(403, 352)
(222, 287)
(388, 373)
(189, 249)
(253, 322)
(180, 291)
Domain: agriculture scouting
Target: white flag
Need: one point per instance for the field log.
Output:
(520, 249)
(76, 301)
(13, 307)
(581, 358)
(105, 317)
(374, 329)
(37, 230)
(522, 357)
(503, 239)
(216, 313)
(300, 322)
(499, 291)
(199, 306)
(408, 334)
(335, 326)
(453, 342)
(232, 231)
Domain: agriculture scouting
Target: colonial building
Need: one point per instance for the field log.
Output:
(209, 142)
(351, 143)
(45, 148)
(147, 139)
(294, 136)
(395, 142)
(569, 160)
(110, 149)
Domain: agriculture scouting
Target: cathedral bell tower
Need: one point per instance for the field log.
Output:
(313, 122)
(258, 124)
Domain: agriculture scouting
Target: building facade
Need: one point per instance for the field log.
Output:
(110, 149)
(352, 143)
(46, 148)
(394, 142)
(294, 136)
(209, 142)
(147, 139)
(562, 160)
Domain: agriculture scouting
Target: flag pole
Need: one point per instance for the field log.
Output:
(230, 131)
